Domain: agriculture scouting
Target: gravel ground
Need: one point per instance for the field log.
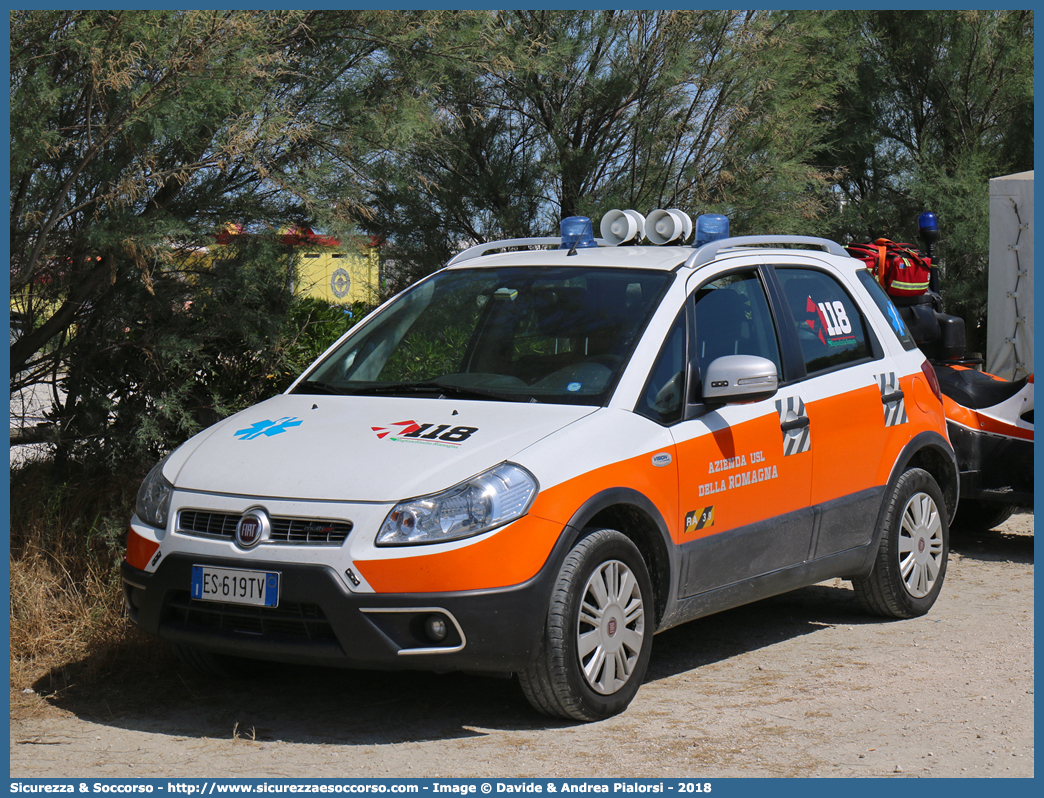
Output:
(801, 685)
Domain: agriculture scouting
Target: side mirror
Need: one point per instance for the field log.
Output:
(739, 378)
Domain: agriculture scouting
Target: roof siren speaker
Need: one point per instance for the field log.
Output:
(621, 227)
(666, 226)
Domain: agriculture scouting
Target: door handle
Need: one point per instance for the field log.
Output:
(793, 424)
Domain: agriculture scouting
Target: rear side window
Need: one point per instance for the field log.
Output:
(888, 310)
(828, 323)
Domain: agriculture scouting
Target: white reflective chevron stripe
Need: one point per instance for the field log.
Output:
(894, 410)
(798, 440)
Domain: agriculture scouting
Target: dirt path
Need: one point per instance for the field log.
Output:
(800, 685)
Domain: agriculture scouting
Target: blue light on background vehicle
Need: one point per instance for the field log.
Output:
(927, 222)
(577, 233)
(711, 227)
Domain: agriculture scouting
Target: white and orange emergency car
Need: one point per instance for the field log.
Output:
(551, 449)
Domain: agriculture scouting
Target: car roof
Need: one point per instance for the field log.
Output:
(536, 252)
(632, 257)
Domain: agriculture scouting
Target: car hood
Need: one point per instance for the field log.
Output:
(367, 449)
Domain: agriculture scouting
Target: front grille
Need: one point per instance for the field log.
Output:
(289, 621)
(207, 525)
(302, 531)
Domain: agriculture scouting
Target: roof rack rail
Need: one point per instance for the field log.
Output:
(709, 251)
(481, 249)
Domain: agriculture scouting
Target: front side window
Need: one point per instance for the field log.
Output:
(828, 323)
(662, 398)
(733, 318)
(519, 333)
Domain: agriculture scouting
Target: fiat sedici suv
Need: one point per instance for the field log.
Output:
(536, 458)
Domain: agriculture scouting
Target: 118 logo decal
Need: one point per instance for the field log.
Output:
(412, 431)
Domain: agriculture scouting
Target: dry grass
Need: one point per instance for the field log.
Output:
(67, 539)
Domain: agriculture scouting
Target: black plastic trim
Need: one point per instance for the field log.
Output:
(502, 626)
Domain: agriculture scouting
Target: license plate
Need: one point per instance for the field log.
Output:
(235, 586)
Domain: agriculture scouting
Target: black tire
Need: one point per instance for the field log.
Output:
(910, 567)
(598, 633)
(974, 515)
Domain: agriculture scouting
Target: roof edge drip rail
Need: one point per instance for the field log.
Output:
(481, 249)
(709, 251)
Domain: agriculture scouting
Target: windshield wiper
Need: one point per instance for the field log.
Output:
(308, 386)
(441, 389)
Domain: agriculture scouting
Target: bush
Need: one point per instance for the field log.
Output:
(69, 532)
(312, 327)
(67, 541)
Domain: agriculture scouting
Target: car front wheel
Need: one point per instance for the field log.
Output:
(598, 633)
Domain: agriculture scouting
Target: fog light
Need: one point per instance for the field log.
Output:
(436, 628)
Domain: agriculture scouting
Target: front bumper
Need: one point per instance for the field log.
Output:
(319, 621)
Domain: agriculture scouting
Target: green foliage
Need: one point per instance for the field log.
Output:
(576, 112)
(136, 136)
(940, 102)
(175, 358)
(313, 326)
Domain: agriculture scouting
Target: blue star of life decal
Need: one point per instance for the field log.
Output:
(267, 427)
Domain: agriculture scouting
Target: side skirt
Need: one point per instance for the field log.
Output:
(767, 585)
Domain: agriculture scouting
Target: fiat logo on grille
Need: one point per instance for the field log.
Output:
(252, 527)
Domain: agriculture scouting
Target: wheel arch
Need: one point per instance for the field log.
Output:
(633, 515)
(933, 453)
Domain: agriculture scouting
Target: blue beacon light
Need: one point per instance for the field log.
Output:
(927, 222)
(577, 233)
(711, 227)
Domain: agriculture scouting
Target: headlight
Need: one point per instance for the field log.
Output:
(154, 497)
(485, 502)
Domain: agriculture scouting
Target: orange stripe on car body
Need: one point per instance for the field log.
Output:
(843, 442)
(139, 550)
(738, 495)
(517, 552)
(510, 557)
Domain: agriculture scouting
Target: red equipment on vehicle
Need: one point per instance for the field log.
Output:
(900, 268)
(989, 419)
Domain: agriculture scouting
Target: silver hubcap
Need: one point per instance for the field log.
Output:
(611, 627)
(920, 545)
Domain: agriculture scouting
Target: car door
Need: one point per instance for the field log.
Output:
(852, 399)
(745, 470)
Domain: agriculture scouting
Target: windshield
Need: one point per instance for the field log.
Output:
(542, 334)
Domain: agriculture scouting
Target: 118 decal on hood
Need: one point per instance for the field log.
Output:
(414, 432)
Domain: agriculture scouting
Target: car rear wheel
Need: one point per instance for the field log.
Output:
(598, 633)
(911, 560)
